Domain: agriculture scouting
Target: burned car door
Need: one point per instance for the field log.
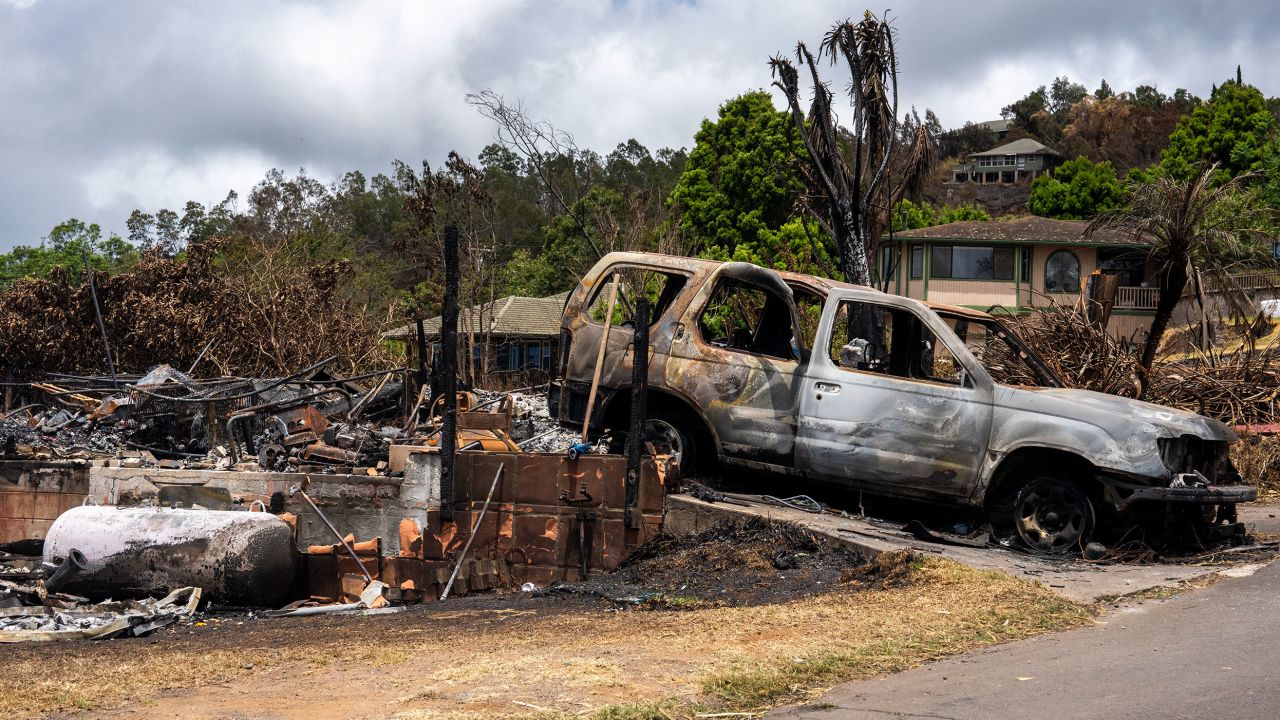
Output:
(736, 355)
(624, 284)
(893, 400)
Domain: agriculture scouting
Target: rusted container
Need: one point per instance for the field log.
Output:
(236, 557)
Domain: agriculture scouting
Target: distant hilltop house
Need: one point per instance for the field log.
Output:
(1013, 162)
(521, 333)
(1028, 263)
(997, 128)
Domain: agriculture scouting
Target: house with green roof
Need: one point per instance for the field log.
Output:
(510, 334)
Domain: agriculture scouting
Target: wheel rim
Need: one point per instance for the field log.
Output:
(666, 438)
(1053, 517)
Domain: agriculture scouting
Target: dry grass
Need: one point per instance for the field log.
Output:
(613, 666)
(1257, 458)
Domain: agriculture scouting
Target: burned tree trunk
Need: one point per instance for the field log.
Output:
(846, 169)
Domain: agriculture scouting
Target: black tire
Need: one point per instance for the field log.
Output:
(1051, 515)
(672, 436)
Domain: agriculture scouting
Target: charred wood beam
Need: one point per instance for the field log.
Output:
(639, 409)
(448, 364)
(423, 378)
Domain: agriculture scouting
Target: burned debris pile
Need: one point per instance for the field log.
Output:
(735, 562)
(310, 420)
(33, 608)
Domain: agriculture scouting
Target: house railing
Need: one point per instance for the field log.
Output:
(1244, 281)
(1144, 298)
(1137, 298)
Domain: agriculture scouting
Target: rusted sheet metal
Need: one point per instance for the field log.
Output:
(551, 519)
(33, 493)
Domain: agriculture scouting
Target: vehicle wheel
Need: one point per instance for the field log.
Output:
(1052, 515)
(670, 437)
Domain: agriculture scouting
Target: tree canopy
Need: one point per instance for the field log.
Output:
(740, 180)
(1076, 190)
(66, 247)
(1234, 130)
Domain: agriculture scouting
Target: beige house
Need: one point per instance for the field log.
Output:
(1019, 264)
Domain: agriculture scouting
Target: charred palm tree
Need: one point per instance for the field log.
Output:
(1194, 229)
(847, 170)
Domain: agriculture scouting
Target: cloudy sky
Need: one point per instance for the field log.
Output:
(111, 106)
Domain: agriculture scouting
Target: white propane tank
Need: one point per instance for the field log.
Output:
(236, 557)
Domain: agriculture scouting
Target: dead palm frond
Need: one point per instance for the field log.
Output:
(1194, 229)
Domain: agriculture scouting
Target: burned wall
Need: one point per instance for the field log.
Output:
(367, 506)
(33, 493)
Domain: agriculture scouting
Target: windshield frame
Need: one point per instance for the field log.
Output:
(1046, 376)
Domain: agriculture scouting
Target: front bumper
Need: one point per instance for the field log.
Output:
(1123, 494)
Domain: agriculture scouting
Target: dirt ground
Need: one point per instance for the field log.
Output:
(553, 655)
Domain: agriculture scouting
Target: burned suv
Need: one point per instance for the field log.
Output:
(833, 382)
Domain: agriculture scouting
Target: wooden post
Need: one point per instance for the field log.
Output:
(604, 342)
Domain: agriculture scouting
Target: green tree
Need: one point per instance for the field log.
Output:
(1076, 190)
(740, 179)
(65, 247)
(909, 216)
(1234, 130)
(790, 247)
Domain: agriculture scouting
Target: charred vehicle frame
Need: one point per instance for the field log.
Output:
(823, 380)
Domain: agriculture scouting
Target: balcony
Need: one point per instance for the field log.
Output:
(1144, 298)
(1137, 298)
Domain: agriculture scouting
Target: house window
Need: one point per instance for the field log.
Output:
(917, 262)
(1129, 264)
(1026, 265)
(886, 263)
(964, 262)
(1062, 272)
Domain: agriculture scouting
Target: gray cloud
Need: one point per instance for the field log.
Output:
(112, 106)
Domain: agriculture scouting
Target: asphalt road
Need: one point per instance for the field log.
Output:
(1212, 653)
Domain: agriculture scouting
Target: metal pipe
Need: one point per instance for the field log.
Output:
(350, 550)
(474, 528)
(73, 564)
(423, 380)
(201, 356)
(97, 311)
(539, 436)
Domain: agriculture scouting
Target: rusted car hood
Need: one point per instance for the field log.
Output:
(1118, 416)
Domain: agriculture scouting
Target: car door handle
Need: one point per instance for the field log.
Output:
(823, 387)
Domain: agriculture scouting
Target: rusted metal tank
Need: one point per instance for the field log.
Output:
(236, 557)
